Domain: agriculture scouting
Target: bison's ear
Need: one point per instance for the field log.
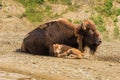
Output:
(83, 25)
(78, 31)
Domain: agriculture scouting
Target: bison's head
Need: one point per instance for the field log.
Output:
(89, 35)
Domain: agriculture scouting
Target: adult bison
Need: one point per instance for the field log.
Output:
(61, 31)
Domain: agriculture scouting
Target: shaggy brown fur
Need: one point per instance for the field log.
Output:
(64, 51)
(61, 31)
(89, 36)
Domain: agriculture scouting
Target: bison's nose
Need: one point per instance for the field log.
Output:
(98, 42)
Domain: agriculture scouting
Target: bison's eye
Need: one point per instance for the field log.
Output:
(91, 31)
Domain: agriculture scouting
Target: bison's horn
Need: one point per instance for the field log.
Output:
(83, 26)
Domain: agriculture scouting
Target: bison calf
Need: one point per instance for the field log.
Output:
(65, 51)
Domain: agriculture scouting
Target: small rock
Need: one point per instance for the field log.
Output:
(0, 6)
(119, 61)
(111, 64)
(34, 62)
(89, 68)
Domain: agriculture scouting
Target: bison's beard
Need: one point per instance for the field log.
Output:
(93, 48)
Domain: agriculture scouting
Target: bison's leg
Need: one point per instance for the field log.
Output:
(72, 56)
(63, 55)
(75, 54)
(80, 55)
(67, 54)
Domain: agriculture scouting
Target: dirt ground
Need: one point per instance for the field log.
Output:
(105, 65)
